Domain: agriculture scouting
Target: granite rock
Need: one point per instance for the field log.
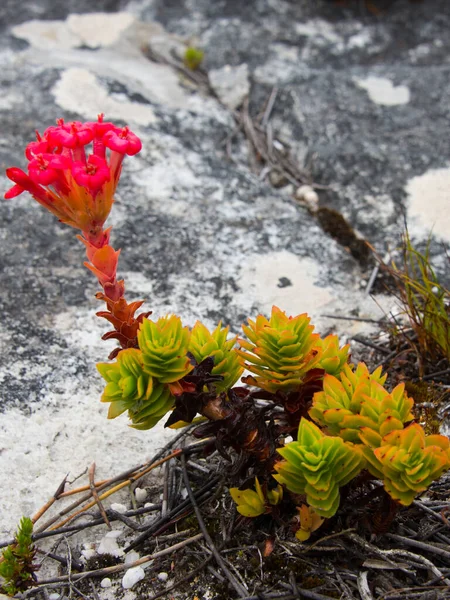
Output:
(202, 235)
(231, 84)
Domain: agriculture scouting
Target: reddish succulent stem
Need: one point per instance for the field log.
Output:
(102, 260)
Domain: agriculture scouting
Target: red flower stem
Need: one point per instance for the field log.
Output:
(102, 260)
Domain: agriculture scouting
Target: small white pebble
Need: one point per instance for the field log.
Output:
(289, 190)
(106, 582)
(288, 439)
(108, 544)
(120, 508)
(278, 145)
(88, 553)
(306, 194)
(302, 190)
(163, 576)
(131, 557)
(132, 576)
(54, 596)
(311, 198)
(140, 494)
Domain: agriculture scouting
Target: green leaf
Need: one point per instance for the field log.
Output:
(317, 465)
(164, 345)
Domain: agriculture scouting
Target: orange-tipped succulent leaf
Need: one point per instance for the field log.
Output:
(332, 358)
(279, 351)
(357, 400)
(410, 461)
(104, 264)
(310, 521)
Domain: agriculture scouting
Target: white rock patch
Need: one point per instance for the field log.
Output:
(93, 30)
(99, 29)
(360, 40)
(110, 45)
(263, 275)
(382, 91)
(46, 35)
(79, 91)
(429, 204)
(231, 84)
(35, 463)
(318, 29)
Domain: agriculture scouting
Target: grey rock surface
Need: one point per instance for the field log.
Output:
(231, 84)
(364, 100)
(367, 96)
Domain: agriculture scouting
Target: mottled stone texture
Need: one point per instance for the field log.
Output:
(12, 12)
(202, 236)
(315, 53)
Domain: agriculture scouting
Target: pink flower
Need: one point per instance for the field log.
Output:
(123, 141)
(24, 183)
(41, 146)
(78, 190)
(45, 169)
(13, 192)
(93, 174)
(70, 135)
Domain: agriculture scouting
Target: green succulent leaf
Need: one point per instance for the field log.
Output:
(332, 358)
(16, 567)
(164, 345)
(203, 344)
(193, 58)
(252, 503)
(357, 400)
(280, 351)
(130, 388)
(318, 465)
(409, 461)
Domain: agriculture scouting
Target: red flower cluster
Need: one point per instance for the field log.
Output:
(78, 189)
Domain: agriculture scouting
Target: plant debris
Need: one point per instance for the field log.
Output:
(212, 552)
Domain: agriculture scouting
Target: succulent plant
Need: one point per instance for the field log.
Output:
(16, 563)
(333, 358)
(129, 387)
(164, 345)
(251, 503)
(358, 399)
(318, 465)
(309, 522)
(410, 461)
(280, 351)
(226, 360)
(193, 58)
